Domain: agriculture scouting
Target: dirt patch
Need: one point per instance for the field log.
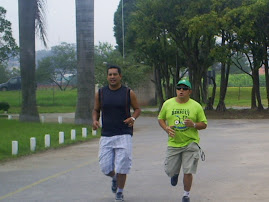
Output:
(237, 114)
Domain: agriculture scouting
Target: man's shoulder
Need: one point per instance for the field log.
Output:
(170, 100)
(104, 87)
(195, 103)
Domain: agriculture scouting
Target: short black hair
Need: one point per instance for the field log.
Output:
(114, 67)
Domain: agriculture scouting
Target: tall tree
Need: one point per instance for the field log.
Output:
(222, 52)
(31, 18)
(250, 41)
(85, 61)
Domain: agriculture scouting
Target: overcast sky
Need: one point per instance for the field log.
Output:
(61, 22)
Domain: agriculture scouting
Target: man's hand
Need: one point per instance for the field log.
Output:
(95, 125)
(189, 123)
(129, 121)
(170, 131)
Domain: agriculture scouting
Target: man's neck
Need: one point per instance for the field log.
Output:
(114, 87)
(182, 100)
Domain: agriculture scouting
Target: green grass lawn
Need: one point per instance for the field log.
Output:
(239, 96)
(22, 132)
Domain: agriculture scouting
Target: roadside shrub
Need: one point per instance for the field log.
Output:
(4, 106)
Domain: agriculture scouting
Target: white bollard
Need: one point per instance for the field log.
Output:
(60, 119)
(9, 117)
(42, 119)
(47, 140)
(14, 147)
(32, 143)
(61, 137)
(84, 132)
(73, 134)
(94, 132)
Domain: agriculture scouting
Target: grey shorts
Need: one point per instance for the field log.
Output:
(186, 157)
(115, 153)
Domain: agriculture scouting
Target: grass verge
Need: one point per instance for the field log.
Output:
(14, 130)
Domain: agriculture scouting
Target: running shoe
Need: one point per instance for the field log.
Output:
(119, 197)
(174, 180)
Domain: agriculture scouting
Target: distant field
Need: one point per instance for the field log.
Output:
(240, 96)
(53, 101)
(48, 100)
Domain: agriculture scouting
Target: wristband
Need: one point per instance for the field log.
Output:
(133, 118)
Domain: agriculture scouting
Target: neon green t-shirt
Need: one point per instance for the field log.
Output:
(175, 113)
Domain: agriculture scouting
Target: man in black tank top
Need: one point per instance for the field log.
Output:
(115, 152)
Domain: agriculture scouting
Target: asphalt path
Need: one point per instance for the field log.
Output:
(236, 168)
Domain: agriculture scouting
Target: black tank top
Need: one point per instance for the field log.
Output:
(115, 107)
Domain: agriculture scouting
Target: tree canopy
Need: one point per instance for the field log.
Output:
(178, 35)
(8, 46)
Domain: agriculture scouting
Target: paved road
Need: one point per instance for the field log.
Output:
(235, 170)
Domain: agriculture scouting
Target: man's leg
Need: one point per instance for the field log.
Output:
(187, 181)
(111, 174)
(172, 163)
(114, 185)
(190, 159)
(106, 160)
(121, 179)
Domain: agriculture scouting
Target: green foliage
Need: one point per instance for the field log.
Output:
(129, 6)
(4, 74)
(22, 132)
(56, 67)
(132, 71)
(4, 106)
(8, 47)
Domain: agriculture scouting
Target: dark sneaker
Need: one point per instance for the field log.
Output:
(186, 199)
(174, 180)
(119, 197)
(114, 186)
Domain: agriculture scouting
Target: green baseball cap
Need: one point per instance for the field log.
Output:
(184, 82)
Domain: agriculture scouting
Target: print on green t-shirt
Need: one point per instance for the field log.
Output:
(175, 113)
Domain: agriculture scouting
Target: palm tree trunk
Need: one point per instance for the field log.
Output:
(27, 10)
(85, 60)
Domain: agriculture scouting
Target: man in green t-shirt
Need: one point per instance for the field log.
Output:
(181, 117)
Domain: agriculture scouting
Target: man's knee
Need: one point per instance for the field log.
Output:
(110, 174)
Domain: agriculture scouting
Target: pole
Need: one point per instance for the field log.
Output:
(122, 25)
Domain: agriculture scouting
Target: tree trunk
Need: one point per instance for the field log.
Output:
(253, 98)
(210, 102)
(158, 86)
(27, 10)
(223, 87)
(256, 85)
(205, 87)
(266, 74)
(85, 61)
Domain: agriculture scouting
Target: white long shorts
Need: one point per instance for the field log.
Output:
(115, 153)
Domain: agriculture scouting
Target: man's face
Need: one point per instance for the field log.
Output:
(113, 77)
(183, 91)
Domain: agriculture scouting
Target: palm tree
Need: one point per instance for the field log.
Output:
(85, 60)
(31, 18)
